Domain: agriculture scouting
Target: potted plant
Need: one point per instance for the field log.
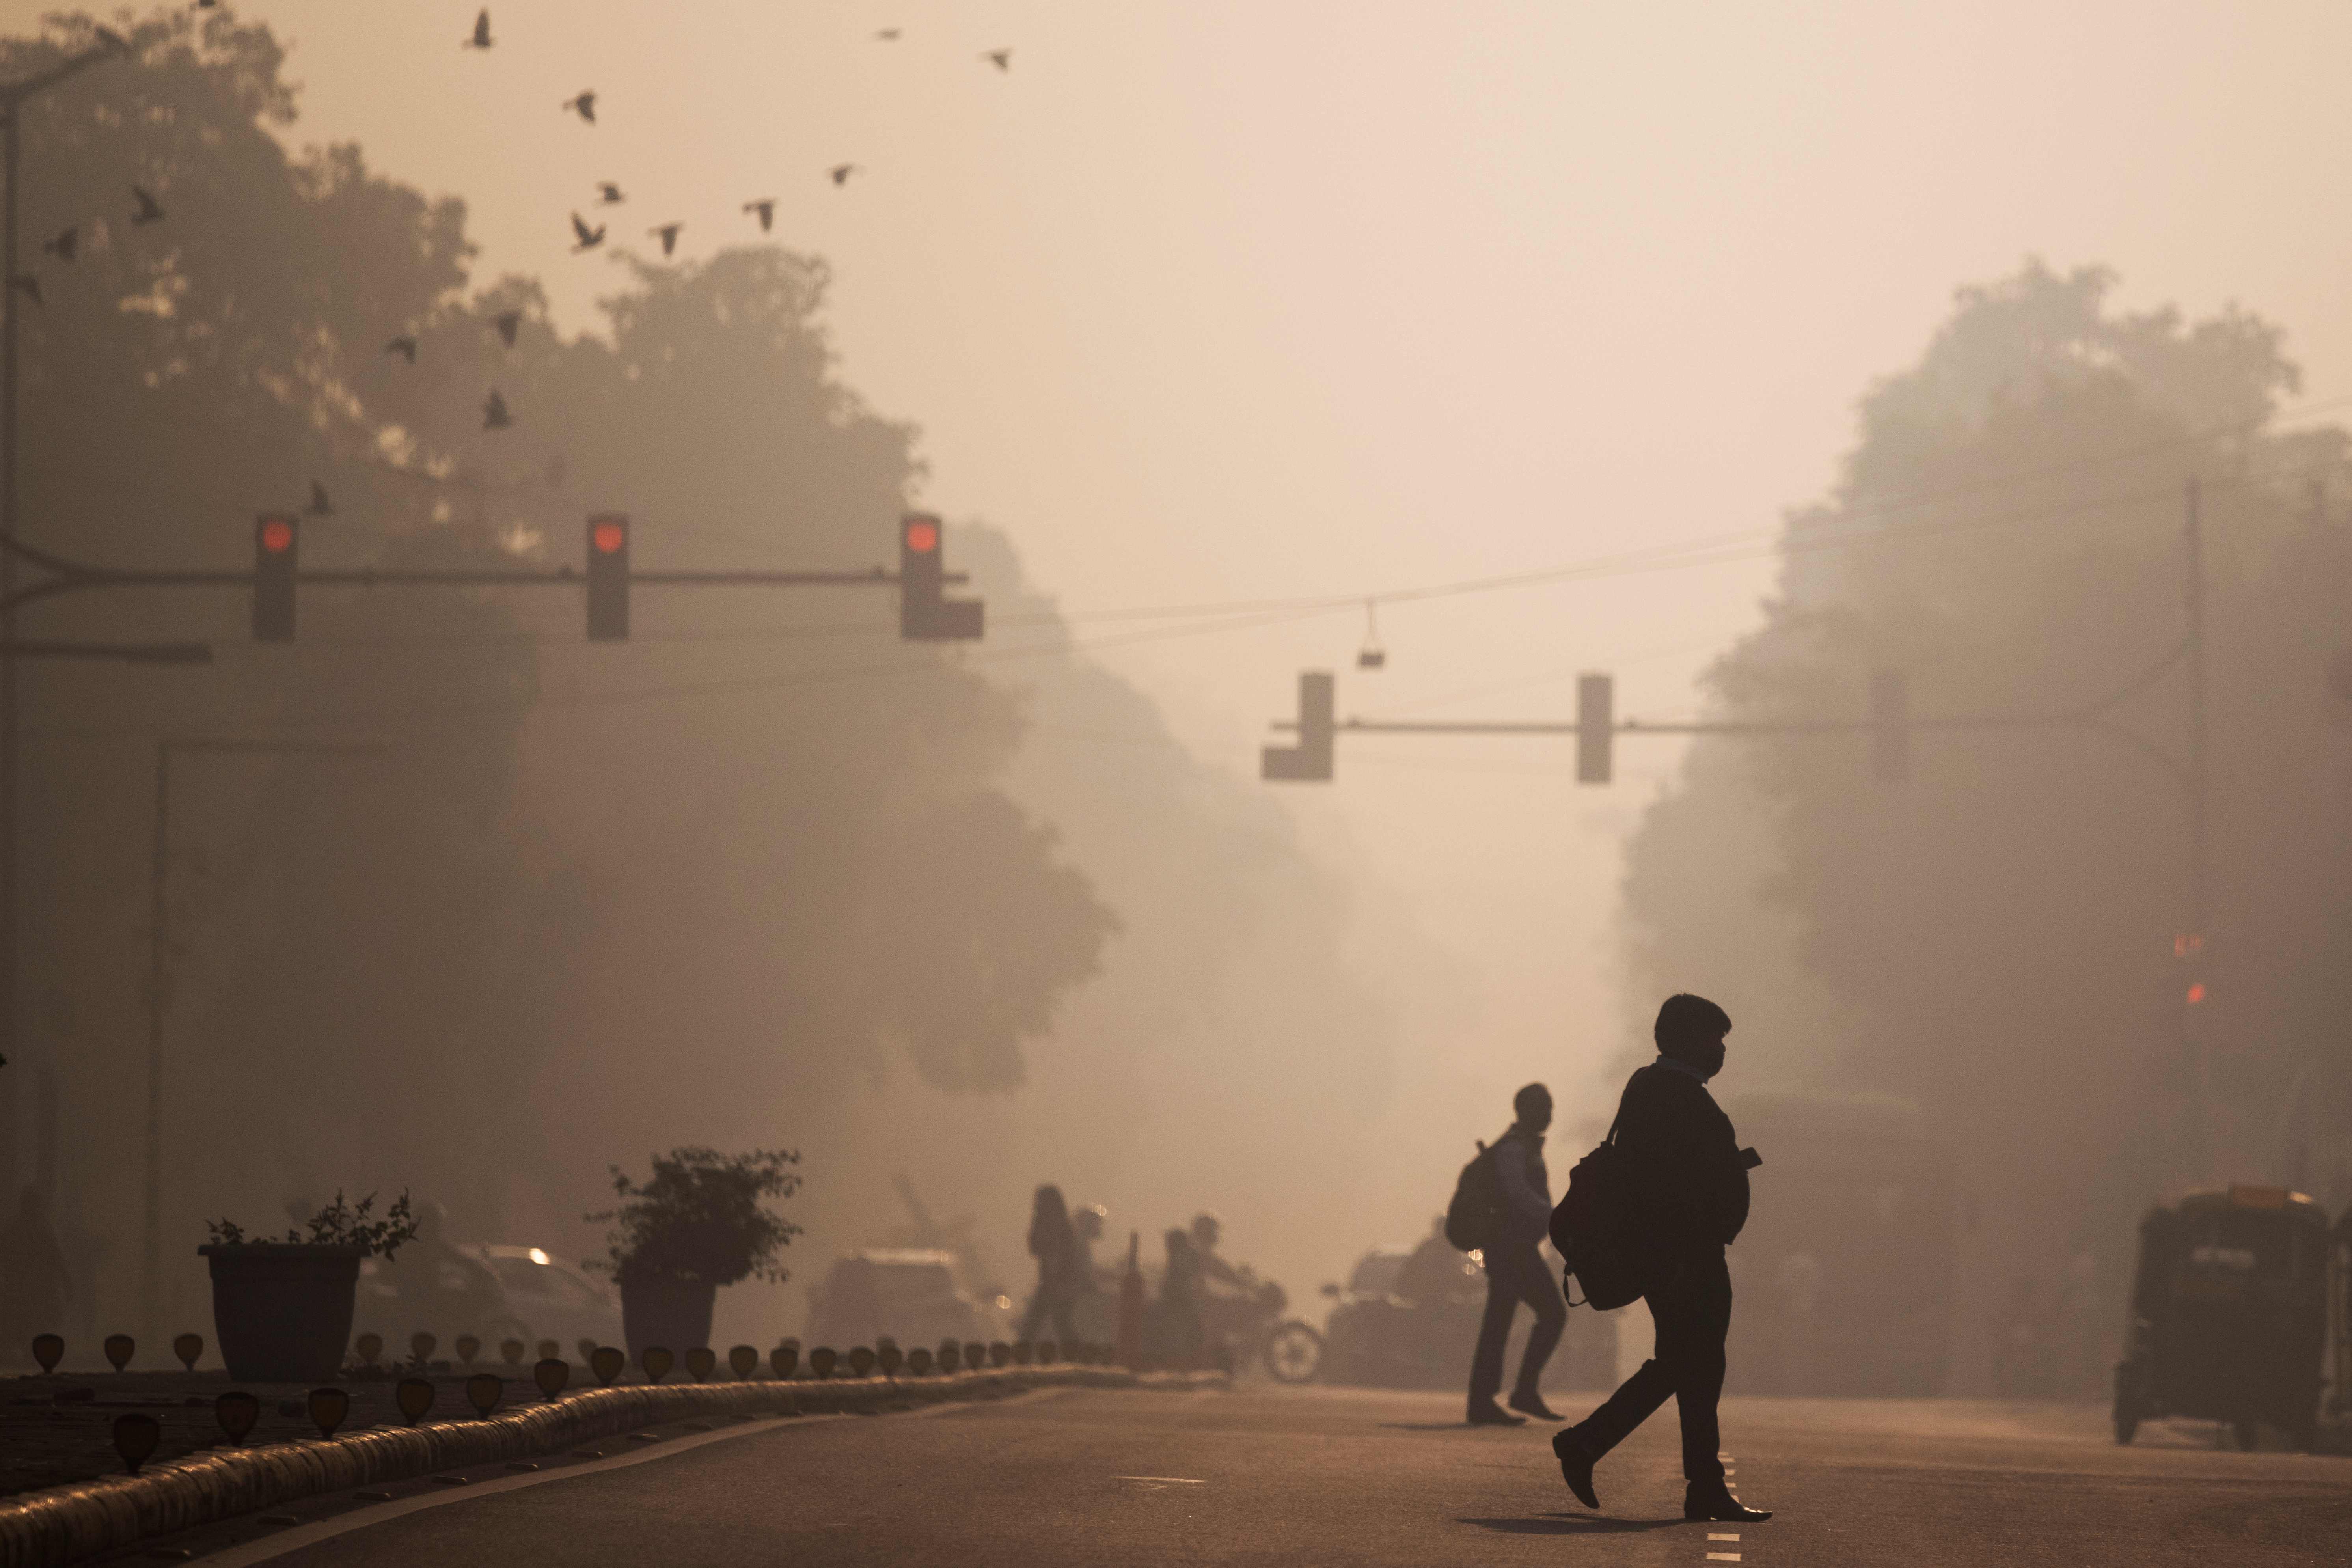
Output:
(695, 1225)
(283, 1310)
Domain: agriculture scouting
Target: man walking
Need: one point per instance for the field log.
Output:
(1516, 1272)
(1686, 1164)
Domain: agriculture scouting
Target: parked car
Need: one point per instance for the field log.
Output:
(493, 1290)
(907, 1293)
(1408, 1318)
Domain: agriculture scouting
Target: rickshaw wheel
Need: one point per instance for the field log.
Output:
(2246, 1433)
(1294, 1352)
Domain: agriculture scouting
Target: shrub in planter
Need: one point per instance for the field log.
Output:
(696, 1225)
(282, 1308)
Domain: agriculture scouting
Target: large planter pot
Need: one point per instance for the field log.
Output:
(672, 1313)
(282, 1311)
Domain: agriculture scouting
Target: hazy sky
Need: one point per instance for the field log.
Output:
(1207, 301)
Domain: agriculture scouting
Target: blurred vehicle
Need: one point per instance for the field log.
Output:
(493, 1290)
(2228, 1314)
(551, 1298)
(1408, 1318)
(909, 1293)
(1844, 1273)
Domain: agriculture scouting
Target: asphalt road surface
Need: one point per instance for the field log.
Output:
(1266, 1475)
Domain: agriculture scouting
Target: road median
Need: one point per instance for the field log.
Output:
(73, 1523)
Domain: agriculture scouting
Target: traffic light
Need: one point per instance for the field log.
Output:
(925, 613)
(1596, 726)
(1309, 762)
(608, 577)
(277, 542)
(1890, 726)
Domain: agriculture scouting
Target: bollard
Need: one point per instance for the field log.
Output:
(120, 1349)
(468, 1346)
(420, 1346)
(413, 1395)
(136, 1437)
(784, 1360)
(861, 1361)
(1024, 1353)
(821, 1361)
(951, 1355)
(975, 1354)
(888, 1357)
(656, 1361)
(370, 1346)
(236, 1411)
(587, 1348)
(48, 1350)
(742, 1361)
(919, 1362)
(327, 1407)
(607, 1361)
(700, 1364)
(510, 1351)
(189, 1348)
(483, 1392)
(551, 1374)
(552, 1350)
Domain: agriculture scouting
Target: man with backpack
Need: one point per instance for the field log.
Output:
(1516, 1272)
(1686, 1181)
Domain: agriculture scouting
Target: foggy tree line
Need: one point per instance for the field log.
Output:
(1994, 938)
(587, 897)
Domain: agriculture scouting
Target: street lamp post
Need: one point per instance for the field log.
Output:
(158, 969)
(13, 99)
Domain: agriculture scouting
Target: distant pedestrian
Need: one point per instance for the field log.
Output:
(1062, 1268)
(1516, 1271)
(1172, 1332)
(1690, 1176)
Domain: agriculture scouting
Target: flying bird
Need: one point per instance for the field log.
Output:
(149, 210)
(608, 193)
(841, 172)
(766, 207)
(1000, 58)
(403, 345)
(887, 35)
(584, 105)
(507, 321)
(63, 247)
(481, 38)
(494, 412)
(25, 282)
(320, 505)
(589, 237)
(668, 233)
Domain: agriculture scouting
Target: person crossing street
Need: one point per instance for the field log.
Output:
(1516, 1271)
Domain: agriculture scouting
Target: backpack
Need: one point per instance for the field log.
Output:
(1594, 1226)
(1474, 1220)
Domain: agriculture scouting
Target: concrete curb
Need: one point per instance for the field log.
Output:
(70, 1523)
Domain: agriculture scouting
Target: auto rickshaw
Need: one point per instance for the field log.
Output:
(2228, 1315)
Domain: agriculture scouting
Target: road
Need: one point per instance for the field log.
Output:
(1265, 1475)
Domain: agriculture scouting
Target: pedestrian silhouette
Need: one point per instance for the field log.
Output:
(1172, 1333)
(1689, 1177)
(1063, 1273)
(1516, 1270)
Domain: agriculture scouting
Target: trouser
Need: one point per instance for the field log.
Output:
(1054, 1308)
(1516, 1272)
(1692, 1307)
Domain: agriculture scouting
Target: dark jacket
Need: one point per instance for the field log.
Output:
(1684, 1158)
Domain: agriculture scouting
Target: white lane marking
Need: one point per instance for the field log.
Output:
(285, 1541)
(1170, 1480)
(1723, 1557)
(1713, 1537)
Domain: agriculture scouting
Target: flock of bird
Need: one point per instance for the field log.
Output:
(587, 236)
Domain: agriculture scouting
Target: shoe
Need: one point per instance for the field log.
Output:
(1533, 1404)
(1715, 1503)
(1487, 1413)
(1576, 1466)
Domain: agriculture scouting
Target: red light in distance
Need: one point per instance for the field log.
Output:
(608, 538)
(277, 536)
(2195, 992)
(922, 538)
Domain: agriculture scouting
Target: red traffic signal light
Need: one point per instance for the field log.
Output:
(925, 612)
(276, 546)
(608, 577)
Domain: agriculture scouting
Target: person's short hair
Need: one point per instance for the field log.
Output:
(1535, 1094)
(1687, 1020)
